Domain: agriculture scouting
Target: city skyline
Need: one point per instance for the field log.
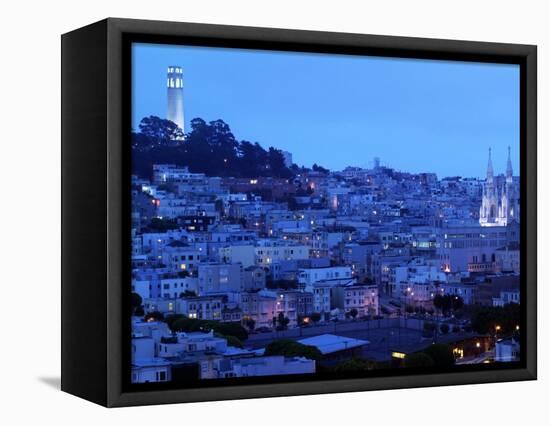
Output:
(476, 106)
(247, 268)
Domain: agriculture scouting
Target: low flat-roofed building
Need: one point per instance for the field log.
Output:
(335, 348)
(507, 350)
(222, 368)
(151, 370)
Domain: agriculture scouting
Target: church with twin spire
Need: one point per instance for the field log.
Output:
(500, 201)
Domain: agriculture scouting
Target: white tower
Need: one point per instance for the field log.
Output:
(509, 205)
(175, 96)
(488, 212)
(500, 202)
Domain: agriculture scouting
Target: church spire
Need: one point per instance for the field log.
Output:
(490, 168)
(509, 170)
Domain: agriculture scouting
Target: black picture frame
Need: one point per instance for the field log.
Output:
(95, 203)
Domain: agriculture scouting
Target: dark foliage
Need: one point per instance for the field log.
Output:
(354, 365)
(209, 148)
(282, 321)
(419, 360)
(291, 348)
(281, 284)
(161, 225)
(315, 317)
(448, 303)
(155, 131)
(485, 319)
(135, 301)
(441, 355)
(222, 328)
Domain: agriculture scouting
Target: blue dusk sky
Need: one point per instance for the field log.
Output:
(340, 110)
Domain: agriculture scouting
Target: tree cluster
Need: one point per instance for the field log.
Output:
(448, 303)
(485, 319)
(291, 348)
(209, 148)
(438, 355)
(224, 329)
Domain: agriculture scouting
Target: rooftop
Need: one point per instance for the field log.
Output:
(330, 343)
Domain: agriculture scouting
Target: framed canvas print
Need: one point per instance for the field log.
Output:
(253, 212)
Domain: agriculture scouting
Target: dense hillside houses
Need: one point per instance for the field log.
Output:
(228, 269)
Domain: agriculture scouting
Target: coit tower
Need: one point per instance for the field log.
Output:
(175, 96)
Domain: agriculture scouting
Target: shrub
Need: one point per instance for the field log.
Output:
(419, 360)
(290, 348)
(441, 355)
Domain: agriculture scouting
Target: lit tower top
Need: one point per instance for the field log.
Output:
(175, 96)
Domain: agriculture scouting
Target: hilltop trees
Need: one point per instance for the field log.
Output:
(158, 131)
(209, 148)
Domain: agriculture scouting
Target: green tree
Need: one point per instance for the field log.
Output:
(441, 355)
(315, 317)
(224, 328)
(419, 360)
(320, 169)
(428, 329)
(290, 348)
(353, 313)
(233, 341)
(209, 148)
(159, 130)
(135, 301)
(448, 303)
(172, 318)
(457, 303)
(354, 365)
(228, 329)
(444, 328)
(485, 319)
(282, 321)
(250, 323)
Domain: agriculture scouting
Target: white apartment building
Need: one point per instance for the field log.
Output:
(308, 276)
(186, 343)
(362, 298)
(220, 277)
(259, 306)
(268, 252)
(179, 257)
(202, 307)
(243, 254)
(172, 288)
(151, 371)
